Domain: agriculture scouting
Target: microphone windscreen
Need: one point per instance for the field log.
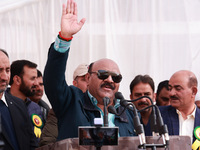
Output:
(106, 101)
(111, 109)
(118, 95)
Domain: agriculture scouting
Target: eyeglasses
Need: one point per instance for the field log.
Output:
(103, 74)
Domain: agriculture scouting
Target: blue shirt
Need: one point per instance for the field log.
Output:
(111, 117)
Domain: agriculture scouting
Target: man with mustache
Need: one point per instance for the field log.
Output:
(37, 96)
(183, 115)
(16, 131)
(72, 107)
(143, 85)
(23, 82)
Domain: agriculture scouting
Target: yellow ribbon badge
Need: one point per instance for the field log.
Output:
(37, 121)
(37, 132)
(196, 143)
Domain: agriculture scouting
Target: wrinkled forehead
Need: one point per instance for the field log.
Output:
(106, 64)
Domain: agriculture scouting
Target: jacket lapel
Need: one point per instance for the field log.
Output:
(123, 116)
(10, 107)
(174, 121)
(5, 135)
(196, 121)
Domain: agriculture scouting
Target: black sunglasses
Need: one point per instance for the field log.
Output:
(104, 74)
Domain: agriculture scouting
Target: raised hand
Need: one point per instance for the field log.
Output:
(69, 22)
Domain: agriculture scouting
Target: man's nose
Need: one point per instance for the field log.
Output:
(36, 82)
(109, 79)
(172, 92)
(144, 99)
(4, 75)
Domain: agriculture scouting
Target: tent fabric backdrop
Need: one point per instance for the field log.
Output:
(155, 37)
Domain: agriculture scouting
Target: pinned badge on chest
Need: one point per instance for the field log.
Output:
(38, 124)
(196, 143)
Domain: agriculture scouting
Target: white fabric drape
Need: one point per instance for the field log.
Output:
(155, 37)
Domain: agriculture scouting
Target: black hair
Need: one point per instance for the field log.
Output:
(90, 67)
(143, 79)
(161, 85)
(17, 68)
(39, 74)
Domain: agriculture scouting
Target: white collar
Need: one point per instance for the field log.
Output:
(4, 99)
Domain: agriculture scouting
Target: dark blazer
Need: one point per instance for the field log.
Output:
(72, 107)
(21, 123)
(170, 118)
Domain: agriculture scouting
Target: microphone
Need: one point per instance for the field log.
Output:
(153, 121)
(123, 102)
(136, 120)
(111, 109)
(162, 127)
(106, 101)
(156, 121)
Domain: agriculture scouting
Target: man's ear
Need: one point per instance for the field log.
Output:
(154, 97)
(17, 80)
(194, 91)
(75, 83)
(87, 77)
(131, 96)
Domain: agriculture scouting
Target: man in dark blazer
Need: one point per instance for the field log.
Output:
(171, 119)
(72, 107)
(16, 131)
(182, 116)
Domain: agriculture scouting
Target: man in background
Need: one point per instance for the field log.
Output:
(162, 94)
(37, 97)
(80, 77)
(16, 132)
(143, 85)
(182, 116)
(23, 82)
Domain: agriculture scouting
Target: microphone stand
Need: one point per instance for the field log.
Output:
(163, 131)
(138, 127)
(162, 128)
(136, 121)
(106, 101)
